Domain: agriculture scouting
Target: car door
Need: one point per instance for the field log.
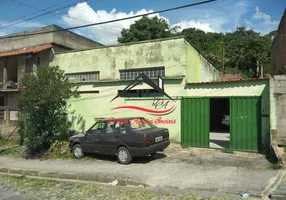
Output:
(92, 137)
(110, 139)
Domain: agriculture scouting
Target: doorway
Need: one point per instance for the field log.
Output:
(219, 136)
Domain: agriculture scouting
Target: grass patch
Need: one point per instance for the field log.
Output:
(275, 166)
(47, 189)
(7, 143)
(227, 150)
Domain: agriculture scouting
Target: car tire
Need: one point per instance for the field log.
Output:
(123, 156)
(77, 151)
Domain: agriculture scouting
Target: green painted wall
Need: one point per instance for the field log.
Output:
(91, 106)
(109, 60)
(198, 68)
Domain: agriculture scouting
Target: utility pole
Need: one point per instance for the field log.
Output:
(222, 55)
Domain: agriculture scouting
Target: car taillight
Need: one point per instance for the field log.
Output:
(167, 137)
(145, 142)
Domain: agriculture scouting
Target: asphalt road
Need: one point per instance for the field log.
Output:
(4, 195)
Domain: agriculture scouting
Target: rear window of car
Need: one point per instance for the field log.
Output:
(140, 124)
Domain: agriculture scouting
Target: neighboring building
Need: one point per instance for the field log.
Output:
(101, 73)
(24, 54)
(278, 85)
(279, 49)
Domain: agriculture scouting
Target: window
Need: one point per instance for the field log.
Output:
(98, 126)
(29, 65)
(139, 93)
(131, 74)
(88, 92)
(83, 77)
(140, 124)
(38, 61)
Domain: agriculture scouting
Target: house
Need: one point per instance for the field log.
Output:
(278, 84)
(23, 53)
(105, 71)
(197, 107)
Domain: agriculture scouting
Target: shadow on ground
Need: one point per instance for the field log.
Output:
(137, 160)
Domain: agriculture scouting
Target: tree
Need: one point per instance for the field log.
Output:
(247, 50)
(147, 29)
(43, 107)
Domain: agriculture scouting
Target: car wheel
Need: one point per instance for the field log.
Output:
(77, 151)
(123, 156)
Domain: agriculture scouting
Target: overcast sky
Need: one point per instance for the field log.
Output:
(219, 16)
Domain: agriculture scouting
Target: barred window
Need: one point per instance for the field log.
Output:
(139, 93)
(131, 74)
(83, 77)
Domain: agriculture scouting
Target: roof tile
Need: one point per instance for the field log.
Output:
(26, 51)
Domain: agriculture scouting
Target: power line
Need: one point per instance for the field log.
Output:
(43, 14)
(21, 17)
(115, 20)
(67, 16)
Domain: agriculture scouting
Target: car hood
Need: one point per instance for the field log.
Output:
(77, 136)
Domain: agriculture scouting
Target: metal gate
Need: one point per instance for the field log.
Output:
(195, 116)
(245, 123)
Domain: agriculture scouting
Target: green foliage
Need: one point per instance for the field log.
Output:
(239, 52)
(275, 166)
(43, 107)
(58, 150)
(147, 29)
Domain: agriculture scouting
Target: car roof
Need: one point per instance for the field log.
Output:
(119, 118)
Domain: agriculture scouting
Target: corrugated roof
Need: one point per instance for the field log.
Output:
(229, 81)
(25, 51)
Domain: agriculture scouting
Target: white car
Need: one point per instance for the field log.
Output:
(226, 120)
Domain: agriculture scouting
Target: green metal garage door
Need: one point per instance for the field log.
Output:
(245, 123)
(195, 114)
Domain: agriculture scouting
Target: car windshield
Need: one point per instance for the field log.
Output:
(140, 124)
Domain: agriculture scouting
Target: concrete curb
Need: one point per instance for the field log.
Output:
(281, 174)
(100, 178)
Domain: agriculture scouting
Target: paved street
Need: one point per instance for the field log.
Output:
(185, 169)
(4, 195)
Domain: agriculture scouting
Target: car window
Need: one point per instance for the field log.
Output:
(98, 126)
(110, 127)
(140, 124)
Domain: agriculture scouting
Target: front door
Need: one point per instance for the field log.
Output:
(92, 138)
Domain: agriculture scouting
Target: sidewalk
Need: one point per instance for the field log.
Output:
(189, 176)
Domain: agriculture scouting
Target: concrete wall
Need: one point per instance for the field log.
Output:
(90, 106)
(239, 88)
(109, 60)
(279, 49)
(177, 56)
(207, 71)
(278, 107)
(64, 38)
(198, 68)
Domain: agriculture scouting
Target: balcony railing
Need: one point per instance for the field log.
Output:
(8, 113)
